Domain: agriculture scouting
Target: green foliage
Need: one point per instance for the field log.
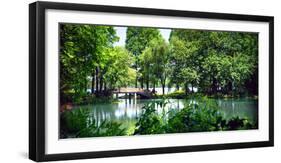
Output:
(223, 62)
(118, 71)
(79, 123)
(200, 116)
(87, 55)
(92, 99)
(75, 120)
(154, 63)
(197, 117)
(217, 63)
(179, 94)
(185, 59)
(137, 40)
(82, 50)
(236, 123)
(150, 121)
(214, 62)
(106, 128)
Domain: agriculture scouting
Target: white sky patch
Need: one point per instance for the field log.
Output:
(165, 34)
(121, 33)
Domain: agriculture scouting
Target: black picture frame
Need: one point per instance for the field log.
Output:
(37, 80)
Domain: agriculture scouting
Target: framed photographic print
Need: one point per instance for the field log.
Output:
(117, 81)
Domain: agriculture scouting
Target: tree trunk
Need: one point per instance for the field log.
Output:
(105, 87)
(97, 79)
(93, 83)
(86, 85)
(101, 82)
(229, 87)
(186, 88)
(147, 82)
(110, 86)
(142, 83)
(136, 84)
(214, 86)
(163, 88)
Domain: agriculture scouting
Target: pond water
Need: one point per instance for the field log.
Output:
(127, 110)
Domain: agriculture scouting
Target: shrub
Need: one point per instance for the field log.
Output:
(74, 120)
(179, 94)
(200, 116)
(106, 128)
(196, 117)
(150, 122)
(79, 123)
(236, 123)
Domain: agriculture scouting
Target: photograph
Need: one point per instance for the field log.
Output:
(112, 81)
(137, 80)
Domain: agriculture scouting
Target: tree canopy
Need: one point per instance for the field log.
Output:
(87, 56)
(214, 60)
(211, 61)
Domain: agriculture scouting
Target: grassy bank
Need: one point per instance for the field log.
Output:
(180, 94)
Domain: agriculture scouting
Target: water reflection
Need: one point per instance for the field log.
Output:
(127, 110)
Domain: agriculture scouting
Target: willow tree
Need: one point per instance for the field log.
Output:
(160, 61)
(145, 62)
(137, 39)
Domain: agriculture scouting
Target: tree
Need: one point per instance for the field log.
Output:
(154, 63)
(215, 57)
(160, 61)
(145, 61)
(81, 56)
(137, 39)
(119, 73)
(184, 69)
(212, 61)
(103, 38)
(218, 68)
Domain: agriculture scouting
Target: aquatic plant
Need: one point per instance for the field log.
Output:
(75, 120)
(236, 123)
(79, 123)
(195, 117)
(200, 116)
(106, 128)
(150, 121)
